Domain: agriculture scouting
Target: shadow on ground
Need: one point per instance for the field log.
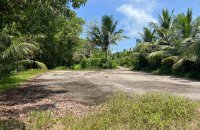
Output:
(26, 95)
(12, 124)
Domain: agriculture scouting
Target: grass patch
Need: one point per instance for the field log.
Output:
(147, 112)
(12, 124)
(76, 67)
(61, 68)
(12, 81)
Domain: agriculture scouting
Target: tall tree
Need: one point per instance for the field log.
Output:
(38, 30)
(107, 34)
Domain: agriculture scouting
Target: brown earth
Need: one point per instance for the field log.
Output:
(78, 91)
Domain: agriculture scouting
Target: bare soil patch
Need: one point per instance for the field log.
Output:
(78, 92)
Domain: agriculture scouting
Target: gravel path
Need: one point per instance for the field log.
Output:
(78, 91)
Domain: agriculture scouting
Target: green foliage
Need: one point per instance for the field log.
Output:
(61, 68)
(126, 61)
(42, 120)
(148, 36)
(12, 124)
(156, 57)
(106, 35)
(139, 61)
(98, 63)
(172, 48)
(122, 111)
(77, 67)
(38, 33)
(14, 80)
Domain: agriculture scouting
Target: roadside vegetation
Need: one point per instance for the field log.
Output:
(14, 80)
(170, 46)
(47, 34)
(122, 111)
(38, 35)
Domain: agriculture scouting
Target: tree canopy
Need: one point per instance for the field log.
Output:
(171, 45)
(38, 32)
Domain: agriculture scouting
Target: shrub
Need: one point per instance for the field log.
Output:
(126, 61)
(61, 68)
(77, 67)
(139, 61)
(98, 63)
(85, 63)
(94, 62)
(114, 64)
(193, 75)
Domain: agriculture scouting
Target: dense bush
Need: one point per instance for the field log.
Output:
(40, 30)
(126, 61)
(77, 67)
(170, 46)
(139, 61)
(98, 63)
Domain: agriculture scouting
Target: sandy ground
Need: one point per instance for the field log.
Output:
(78, 91)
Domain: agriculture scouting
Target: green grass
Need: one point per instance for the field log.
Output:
(61, 68)
(76, 67)
(12, 81)
(123, 112)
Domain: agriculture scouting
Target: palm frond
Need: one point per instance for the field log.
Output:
(19, 50)
(178, 64)
(157, 56)
(169, 60)
(148, 35)
(39, 65)
(166, 19)
(145, 47)
(190, 49)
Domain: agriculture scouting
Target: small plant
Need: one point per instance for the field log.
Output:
(77, 67)
(144, 112)
(98, 63)
(11, 124)
(61, 68)
(41, 120)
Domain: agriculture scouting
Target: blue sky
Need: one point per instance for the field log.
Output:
(133, 15)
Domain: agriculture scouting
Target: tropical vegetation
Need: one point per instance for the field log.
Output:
(38, 34)
(46, 34)
(12, 81)
(99, 40)
(170, 46)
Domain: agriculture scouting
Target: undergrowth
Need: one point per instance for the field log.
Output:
(122, 111)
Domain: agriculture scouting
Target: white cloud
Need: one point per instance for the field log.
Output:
(138, 13)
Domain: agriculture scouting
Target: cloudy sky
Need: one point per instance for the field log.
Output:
(133, 15)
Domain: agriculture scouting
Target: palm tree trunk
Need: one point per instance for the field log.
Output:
(107, 48)
(106, 55)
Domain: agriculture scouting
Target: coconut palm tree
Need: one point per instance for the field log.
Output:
(107, 34)
(182, 41)
(164, 29)
(184, 24)
(15, 51)
(148, 35)
(166, 19)
(164, 46)
(188, 31)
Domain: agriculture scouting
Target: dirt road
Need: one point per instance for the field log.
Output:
(76, 91)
